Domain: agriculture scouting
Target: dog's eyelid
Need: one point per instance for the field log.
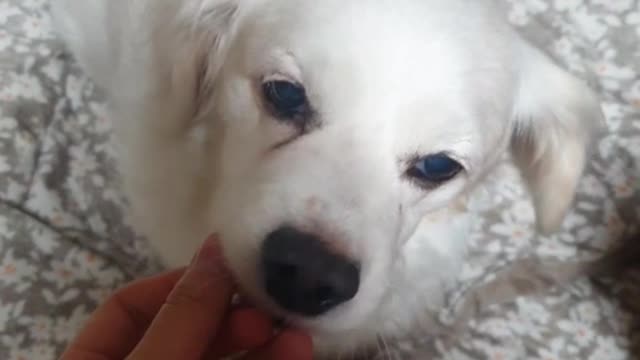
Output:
(280, 63)
(459, 158)
(278, 76)
(463, 160)
(422, 180)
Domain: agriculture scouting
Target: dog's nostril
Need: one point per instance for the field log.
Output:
(324, 295)
(305, 277)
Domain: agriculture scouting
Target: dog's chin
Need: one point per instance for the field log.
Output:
(328, 331)
(335, 322)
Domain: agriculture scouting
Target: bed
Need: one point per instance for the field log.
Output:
(65, 242)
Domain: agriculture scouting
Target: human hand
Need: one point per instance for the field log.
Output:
(184, 315)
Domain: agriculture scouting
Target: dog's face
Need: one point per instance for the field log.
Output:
(340, 126)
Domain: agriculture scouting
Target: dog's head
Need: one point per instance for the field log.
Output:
(336, 127)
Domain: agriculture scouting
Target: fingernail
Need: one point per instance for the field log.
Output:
(208, 257)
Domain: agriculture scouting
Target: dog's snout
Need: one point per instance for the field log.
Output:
(304, 276)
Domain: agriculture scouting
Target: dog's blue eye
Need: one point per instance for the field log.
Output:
(287, 100)
(435, 169)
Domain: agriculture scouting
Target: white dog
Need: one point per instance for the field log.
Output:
(331, 144)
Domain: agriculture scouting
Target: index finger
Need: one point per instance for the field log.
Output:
(193, 311)
(117, 325)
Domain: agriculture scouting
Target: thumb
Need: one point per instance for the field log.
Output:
(193, 311)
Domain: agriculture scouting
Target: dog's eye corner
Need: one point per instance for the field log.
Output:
(434, 170)
(286, 100)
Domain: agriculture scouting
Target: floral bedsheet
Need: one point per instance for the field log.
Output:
(65, 242)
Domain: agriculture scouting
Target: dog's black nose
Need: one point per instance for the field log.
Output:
(303, 276)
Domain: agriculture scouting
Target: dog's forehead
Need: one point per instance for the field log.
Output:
(418, 47)
(436, 35)
(421, 61)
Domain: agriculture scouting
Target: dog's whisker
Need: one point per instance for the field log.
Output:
(387, 349)
(379, 348)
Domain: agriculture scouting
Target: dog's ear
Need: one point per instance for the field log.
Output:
(210, 25)
(556, 118)
(202, 36)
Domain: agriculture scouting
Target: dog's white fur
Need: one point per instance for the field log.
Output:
(389, 79)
